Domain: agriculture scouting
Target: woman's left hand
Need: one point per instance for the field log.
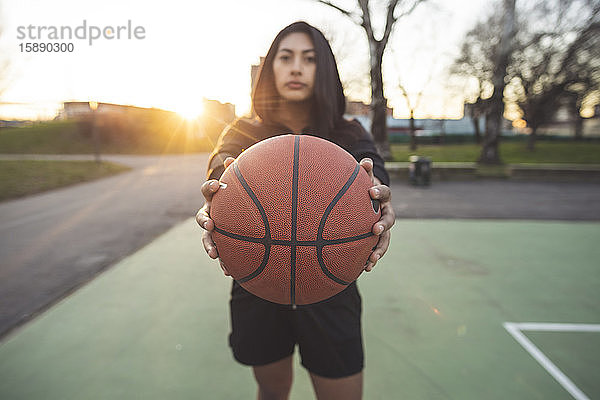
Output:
(382, 227)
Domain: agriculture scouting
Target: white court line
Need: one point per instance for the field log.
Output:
(515, 330)
(550, 327)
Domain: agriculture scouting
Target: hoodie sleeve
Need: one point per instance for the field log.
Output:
(364, 147)
(236, 137)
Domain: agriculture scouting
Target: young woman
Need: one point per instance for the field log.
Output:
(299, 91)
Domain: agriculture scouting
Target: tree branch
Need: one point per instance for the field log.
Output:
(411, 9)
(405, 94)
(366, 20)
(354, 17)
(389, 22)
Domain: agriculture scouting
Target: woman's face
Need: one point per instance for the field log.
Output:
(294, 67)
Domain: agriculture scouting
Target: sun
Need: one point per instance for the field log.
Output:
(190, 110)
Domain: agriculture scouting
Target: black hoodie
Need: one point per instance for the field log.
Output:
(244, 132)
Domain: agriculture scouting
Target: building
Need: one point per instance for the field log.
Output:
(564, 122)
(254, 69)
(426, 126)
(14, 123)
(78, 109)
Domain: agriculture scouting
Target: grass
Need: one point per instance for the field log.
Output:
(56, 137)
(66, 137)
(510, 152)
(26, 177)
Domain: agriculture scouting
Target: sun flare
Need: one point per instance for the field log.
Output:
(189, 110)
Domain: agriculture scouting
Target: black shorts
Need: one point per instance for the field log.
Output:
(328, 333)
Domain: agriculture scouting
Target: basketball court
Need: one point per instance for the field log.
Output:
(458, 309)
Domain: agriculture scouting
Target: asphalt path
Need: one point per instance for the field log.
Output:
(53, 243)
(499, 199)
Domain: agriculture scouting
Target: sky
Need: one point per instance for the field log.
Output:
(190, 50)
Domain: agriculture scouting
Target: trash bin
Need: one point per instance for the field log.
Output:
(419, 171)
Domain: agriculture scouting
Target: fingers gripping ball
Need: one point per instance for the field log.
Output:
(293, 224)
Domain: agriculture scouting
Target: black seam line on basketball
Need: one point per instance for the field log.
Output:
(263, 215)
(248, 190)
(294, 236)
(328, 210)
(267, 241)
(305, 243)
(262, 266)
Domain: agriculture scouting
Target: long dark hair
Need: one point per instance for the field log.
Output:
(328, 101)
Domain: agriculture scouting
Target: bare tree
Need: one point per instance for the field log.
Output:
(555, 60)
(412, 106)
(493, 124)
(413, 101)
(420, 62)
(557, 66)
(475, 66)
(576, 95)
(395, 10)
(585, 82)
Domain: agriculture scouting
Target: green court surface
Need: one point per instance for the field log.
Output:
(155, 325)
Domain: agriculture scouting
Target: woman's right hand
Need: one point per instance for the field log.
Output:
(209, 188)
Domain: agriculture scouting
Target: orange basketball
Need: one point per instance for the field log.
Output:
(293, 219)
